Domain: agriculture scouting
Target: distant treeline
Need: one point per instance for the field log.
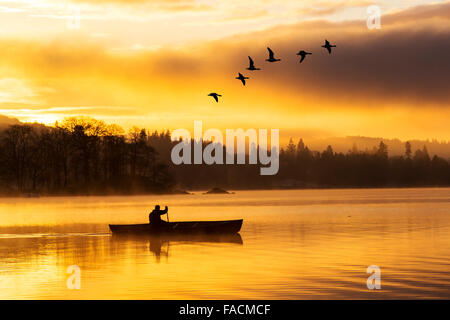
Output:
(303, 167)
(87, 156)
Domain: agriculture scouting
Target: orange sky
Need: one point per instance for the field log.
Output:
(152, 64)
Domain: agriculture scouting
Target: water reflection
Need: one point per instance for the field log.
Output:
(159, 245)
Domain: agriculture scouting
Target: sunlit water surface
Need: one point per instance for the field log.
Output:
(296, 244)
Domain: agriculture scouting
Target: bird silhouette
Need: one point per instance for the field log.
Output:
(252, 65)
(303, 54)
(242, 78)
(271, 56)
(215, 96)
(328, 46)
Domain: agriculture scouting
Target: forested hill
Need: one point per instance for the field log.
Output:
(396, 146)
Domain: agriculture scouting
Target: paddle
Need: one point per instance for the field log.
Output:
(167, 215)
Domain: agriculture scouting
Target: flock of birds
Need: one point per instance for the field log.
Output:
(271, 58)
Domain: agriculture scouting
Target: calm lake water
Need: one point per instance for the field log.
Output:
(295, 244)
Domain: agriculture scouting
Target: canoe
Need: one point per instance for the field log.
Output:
(217, 227)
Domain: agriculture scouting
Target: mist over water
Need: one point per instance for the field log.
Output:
(296, 244)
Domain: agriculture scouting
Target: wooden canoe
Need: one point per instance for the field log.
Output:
(209, 227)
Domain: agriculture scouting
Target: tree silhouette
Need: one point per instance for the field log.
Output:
(87, 156)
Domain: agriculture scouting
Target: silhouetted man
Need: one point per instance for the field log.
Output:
(155, 215)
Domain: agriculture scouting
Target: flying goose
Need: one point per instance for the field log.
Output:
(328, 46)
(271, 56)
(252, 65)
(303, 54)
(242, 78)
(215, 96)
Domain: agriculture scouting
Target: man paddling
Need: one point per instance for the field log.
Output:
(155, 215)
